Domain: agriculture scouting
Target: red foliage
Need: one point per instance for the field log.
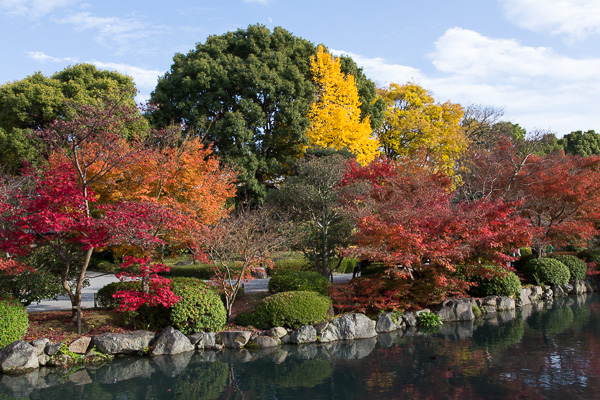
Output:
(159, 294)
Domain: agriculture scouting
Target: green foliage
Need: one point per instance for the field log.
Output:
(199, 308)
(505, 283)
(291, 310)
(13, 322)
(347, 266)
(30, 286)
(581, 143)
(291, 264)
(105, 294)
(499, 336)
(429, 320)
(375, 269)
(547, 271)
(526, 252)
(288, 281)
(591, 255)
(553, 321)
(198, 271)
(577, 267)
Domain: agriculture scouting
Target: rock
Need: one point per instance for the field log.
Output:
(197, 339)
(579, 287)
(536, 293)
(60, 360)
(350, 326)
(304, 334)
(264, 341)
(52, 349)
(43, 359)
(385, 323)
(548, 294)
(210, 341)
(80, 345)
(489, 309)
(259, 273)
(330, 334)
(506, 303)
(558, 291)
(490, 301)
(123, 343)
(321, 326)
(524, 297)
(40, 345)
(171, 341)
(568, 288)
(277, 332)
(18, 356)
(455, 310)
(425, 310)
(409, 319)
(589, 287)
(235, 339)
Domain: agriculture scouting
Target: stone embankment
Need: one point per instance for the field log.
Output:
(21, 356)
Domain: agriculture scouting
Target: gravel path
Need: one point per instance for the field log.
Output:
(98, 280)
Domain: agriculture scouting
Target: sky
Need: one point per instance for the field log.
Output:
(538, 60)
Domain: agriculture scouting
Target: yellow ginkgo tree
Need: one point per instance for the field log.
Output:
(420, 131)
(335, 114)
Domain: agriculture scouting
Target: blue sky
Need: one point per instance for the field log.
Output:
(537, 59)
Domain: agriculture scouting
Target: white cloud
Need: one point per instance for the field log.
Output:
(145, 79)
(33, 8)
(538, 88)
(42, 57)
(112, 31)
(573, 19)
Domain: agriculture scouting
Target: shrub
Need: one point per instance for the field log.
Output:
(429, 320)
(105, 294)
(526, 252)
(13, 322)
(198, 271)
(577, 267)
(291, 310)
(590, 255)
(506, 283)
(290, 264)
(347, 266)
(290, 281)
(547, 271)
(375, 269)
(199, 308)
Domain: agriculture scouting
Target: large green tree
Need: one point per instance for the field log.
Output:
(581, 143)
(29, 105)
(248, 94)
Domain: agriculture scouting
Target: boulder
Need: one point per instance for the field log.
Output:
(505, 303)
(409, 319)
(568, 287)
(350, 326)
(536, 293)
(264, 341)
(80, 345)
(52, 348)
(489, 309)
(455, 310)
(558, 291)
(40, 345)
(277, 332)
(235, 339)
(304, 334)
(490, 301)
(579, 287)
(123, 343)
(171, 341)
(524, 297)
(197, 339)
(18, 356)
(385, 323)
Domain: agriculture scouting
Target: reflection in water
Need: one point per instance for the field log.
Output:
(546, 350)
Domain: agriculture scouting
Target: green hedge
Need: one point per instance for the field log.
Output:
(289, 281)
(105, 294)
(577, 267)
(199, 308)
(547, 271)
(291, 310)
(375, 269)
(13, 322)
(505, 284)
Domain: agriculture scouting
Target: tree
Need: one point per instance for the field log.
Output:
(31, 104)
(247, 93)
(335, 115)
(582, 143)
(238, 243)
(313, 199)
(420, 131)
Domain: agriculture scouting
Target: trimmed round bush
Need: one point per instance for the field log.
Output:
(13, 322)
(291, 310)
(199, 308)
(105, 294)
(547, 271)
(577, 267)
(292, 281)
(505, 284)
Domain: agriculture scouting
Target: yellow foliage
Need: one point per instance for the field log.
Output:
(418, 130)
(335, 114)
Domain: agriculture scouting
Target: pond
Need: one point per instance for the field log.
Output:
(545, 351)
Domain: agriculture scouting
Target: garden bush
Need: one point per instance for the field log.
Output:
(291, 310)
(591, 255)
(547, 271)
(199, 308)
(504, 284)
(347, 266)
(289, 281)
(375, 269)
(105, 294)
(198, 271)
(577, 267)
(13, 322)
